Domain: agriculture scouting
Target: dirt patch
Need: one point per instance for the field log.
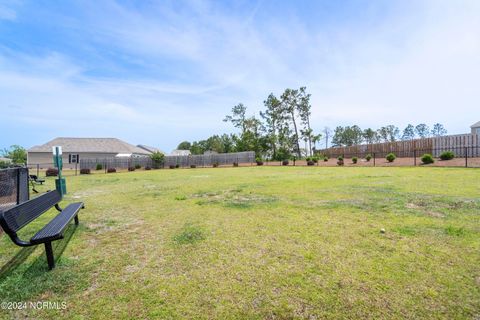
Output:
(382, 162)
(435, 214)
(236, 198)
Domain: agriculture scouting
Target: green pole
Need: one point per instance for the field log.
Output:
(60, 183)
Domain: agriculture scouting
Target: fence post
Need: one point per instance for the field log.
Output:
(76, 168)
(374, 158)
(38, 169)
(466, 157)
(105, 165)
(415, 157)
(17, 170)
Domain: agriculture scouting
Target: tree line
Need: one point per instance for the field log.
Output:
(283, 129)
(353, 135)
(278, 132)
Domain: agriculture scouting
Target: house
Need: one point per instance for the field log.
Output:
(74, 149)
(180, 153)
(6, 160)
(475, 128)
(149, 148)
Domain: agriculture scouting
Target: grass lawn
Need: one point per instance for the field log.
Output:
(260, 242)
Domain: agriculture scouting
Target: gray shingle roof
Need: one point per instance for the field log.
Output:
(475, 125)
(94, 145)
(149, 148)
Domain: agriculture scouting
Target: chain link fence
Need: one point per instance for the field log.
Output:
(13, 187)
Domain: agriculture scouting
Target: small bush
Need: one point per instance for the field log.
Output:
(427, 159)
(148, 168)
(391, 157)
(340, 162)
(259, 161)
(157, 159)
(193, 166)
(215, 165)
(111, 170)
(340, 158)
(285, 163)
(51, 172)
(131, 168)
(354, 159)
(447, 155)
(177, 166)
(315, 159)
(84, 171)
(235, 164)
(325, 159)
(4, 164)
(171, 166)
(368, 157)
(99, 166)
(308, 159)
(138, 166)
(310, 163)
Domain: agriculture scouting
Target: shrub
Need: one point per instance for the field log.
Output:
(259, 161)
(138, 166)
(215, 165)
(285, 163)
(340, 162)
(157, 159)
(308, 159)
(148, 168)
(99, 166)
(368, 157)
(325, 159)
(427, 159)
(171, 166)
(315, 159)
(355, 159)
(447, 155)
(51, 172)
(193, 166)
(131, 168)
(310, 162)
(340, 158)
(111, 170)
(391, 157)
(84, 171)
(177, 166)
(235, 164)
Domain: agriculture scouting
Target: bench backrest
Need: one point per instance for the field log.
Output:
(19, 216)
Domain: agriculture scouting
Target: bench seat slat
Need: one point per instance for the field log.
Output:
(54, 229)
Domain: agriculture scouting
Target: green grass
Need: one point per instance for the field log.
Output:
(260, 243)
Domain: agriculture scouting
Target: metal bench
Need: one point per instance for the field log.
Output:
(36, 179)
(14, 219)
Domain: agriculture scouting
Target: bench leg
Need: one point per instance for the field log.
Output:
(49, 252)
(76, 219)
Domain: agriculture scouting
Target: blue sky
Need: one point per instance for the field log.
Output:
(159, 72)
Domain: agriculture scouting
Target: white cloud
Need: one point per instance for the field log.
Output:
(418, 64)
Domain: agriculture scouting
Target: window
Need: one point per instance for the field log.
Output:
(73, 158)
(478, 131)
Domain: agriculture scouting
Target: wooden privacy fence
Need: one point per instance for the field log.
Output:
(461, 145)
(205, 160)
